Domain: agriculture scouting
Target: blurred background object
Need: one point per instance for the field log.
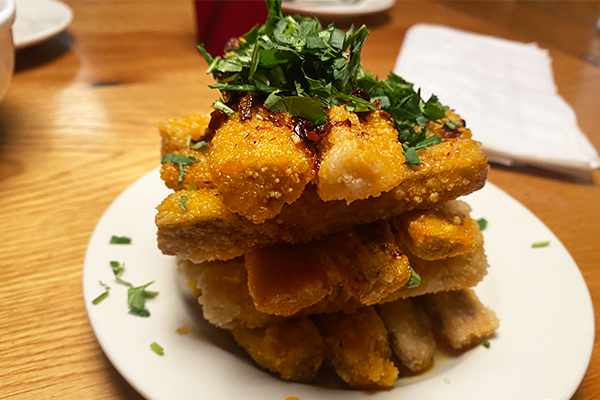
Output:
(7, 52)
(220, 20)
(39, 20)
(336, 8)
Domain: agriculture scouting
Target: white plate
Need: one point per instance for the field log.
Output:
(541, 350)
(336, 8)
(39, 20)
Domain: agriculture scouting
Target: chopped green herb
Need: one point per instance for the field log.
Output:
(157, 348)
(304, 69)
(540, 244)
(136, 298)
(482, 222)
(452, 124)
(486, 343)
(117, 268)
(120, 240)
(103, 295)
(182, 204)
(181, 160)
(190, 186)
(188, 140)
(415, 279)
(201, 144)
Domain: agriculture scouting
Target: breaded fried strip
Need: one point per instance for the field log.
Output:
(410, 332)
(357, 346)
(460, 317)
(259, 165)
(225, 298)
(207, 230)
(284, 279)
(174, 132)
(440, 232)
(459, 272)
(370, 263)
(197, 173)
(359, 158)
(291, 348)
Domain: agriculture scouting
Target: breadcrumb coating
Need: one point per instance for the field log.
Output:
(174, 132)
(197, 174)
(443, 231)
(259, 165)
(357, 346)
(410, 333)
(208, 230)
(291, 348)
(460, 317)
(359, 158)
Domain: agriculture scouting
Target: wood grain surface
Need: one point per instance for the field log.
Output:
(78, 126)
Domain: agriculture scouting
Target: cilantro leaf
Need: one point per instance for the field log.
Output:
(415, 279)
(120, 240)
(136, 298)
(181, 160)
(482, 222)
(486, 343)
(182, 203)
(201, 144)
(117, 268)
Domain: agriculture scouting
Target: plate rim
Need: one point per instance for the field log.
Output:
(41, 36)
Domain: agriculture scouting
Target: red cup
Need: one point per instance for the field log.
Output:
(220, 20)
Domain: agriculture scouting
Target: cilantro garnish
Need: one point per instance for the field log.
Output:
(103, 295)
(120, 240)
(181, 160)
(486, 343)
(182, 203)
(157, 348)
(415, 279)
(482, 222)
(540, 244)
(303, 69)
(200, 145)
(117, 269)
(136, 298)
(190, 186)
(188, 140)
(452, 124)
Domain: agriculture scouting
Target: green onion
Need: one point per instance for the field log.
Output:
(540, 244)
(120, 240)
(157, 348)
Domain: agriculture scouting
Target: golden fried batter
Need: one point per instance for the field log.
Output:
(410, 333)
(370, 263)
(284, 279)
(197, 174)
(440, 232)
(460, 317)
(225, 298)
(259, 165)
(291, 348)
(207, 230)
(174, 132)
(356, 345)
(359, 158)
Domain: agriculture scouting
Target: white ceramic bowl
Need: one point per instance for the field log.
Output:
(7, 51)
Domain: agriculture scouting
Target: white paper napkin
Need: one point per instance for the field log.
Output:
(504, 90)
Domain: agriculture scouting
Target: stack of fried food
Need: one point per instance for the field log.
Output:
(312, 251)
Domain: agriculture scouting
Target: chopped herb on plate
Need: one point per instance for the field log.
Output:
(157, 348)
(482, 222)
(486, 343)
(136, 298)
(540, 244)
(103, 295)
(120, 240)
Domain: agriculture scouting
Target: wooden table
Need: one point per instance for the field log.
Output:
(79, 125)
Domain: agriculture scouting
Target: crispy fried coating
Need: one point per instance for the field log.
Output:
(357, 346)
(291, 348)
(259, 164)
(370, 263)
(459, 272)
(359, 158)
(197, 174)
(284, 279)
(224, 296)
(410, 333)
(440, 232)
(174, 132)
(460, 317)
(207, 230)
